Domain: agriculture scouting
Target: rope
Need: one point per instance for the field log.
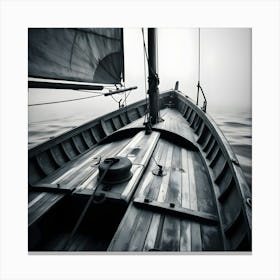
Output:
(77, 225)
(198, 54)
(126, 96)
(198, 83)
(124, 104)
(198, 78)
(145, 55)
(117, 101)
(63, 101)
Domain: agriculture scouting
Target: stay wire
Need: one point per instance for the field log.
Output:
(124, 103)
(146, 54)
(63, 101)
(146, 117)
(199, 54)
(198, 74)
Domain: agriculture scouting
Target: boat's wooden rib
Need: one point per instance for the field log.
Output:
(202, 176)
(95, 135)
(209, 141)
(87, 139)
(203, 135)
(213, 150)
(116, 123)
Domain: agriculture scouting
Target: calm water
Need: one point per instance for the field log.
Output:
(237, 127)
(52, 120)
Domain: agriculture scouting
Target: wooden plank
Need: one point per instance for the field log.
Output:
(104, 127)
(160, 158)
(152, 192)
(170, 238)
(140, 229)
(39, 207)
(54, 157)
(142, 158)
(134, 228)
(71, 172)
(210, 233)
(177, 211)
(173, 121)
(151, 185)
(41, 203)
(83, 175)
(54, 188)
(86, 139)
(145, 185)
(195, 227)
(36, 199)
(153, 232)
(123, 235)
(185, 236)
(143, 145)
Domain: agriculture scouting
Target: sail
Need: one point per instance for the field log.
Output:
(93, 55)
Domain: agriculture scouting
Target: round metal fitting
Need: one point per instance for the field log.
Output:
(116, 173)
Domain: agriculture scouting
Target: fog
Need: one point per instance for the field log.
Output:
(225, 74)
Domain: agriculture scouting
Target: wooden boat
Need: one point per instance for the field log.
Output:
(173, 184)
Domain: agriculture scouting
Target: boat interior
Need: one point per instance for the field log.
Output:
(185, 192)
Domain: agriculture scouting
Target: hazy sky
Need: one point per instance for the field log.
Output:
(225, 63)
(225, 72)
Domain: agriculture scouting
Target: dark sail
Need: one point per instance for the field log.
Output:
(92, 55)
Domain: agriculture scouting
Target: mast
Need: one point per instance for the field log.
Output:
(153, 76)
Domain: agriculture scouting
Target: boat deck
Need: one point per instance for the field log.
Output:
(173, 121)
(170, 213)
(178, 211)
(78, 173)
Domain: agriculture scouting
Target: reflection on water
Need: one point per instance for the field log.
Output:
(236, 126)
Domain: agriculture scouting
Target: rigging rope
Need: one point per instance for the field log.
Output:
(150, 69)
(198, 83)
(198, 74)
(146, 117)
(62, 101)
(90, 200)
(146, 54)
(198, 54)
(124, 103)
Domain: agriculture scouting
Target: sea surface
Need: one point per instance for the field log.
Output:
(47, 121)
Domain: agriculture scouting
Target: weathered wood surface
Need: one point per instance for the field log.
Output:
(138, 151)
(173, 121)
(144, 230)
(82, 174)
(229, 185)
(74, 174)
(205, 180)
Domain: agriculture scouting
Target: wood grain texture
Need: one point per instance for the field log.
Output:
(144, 228)
(192, 180)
